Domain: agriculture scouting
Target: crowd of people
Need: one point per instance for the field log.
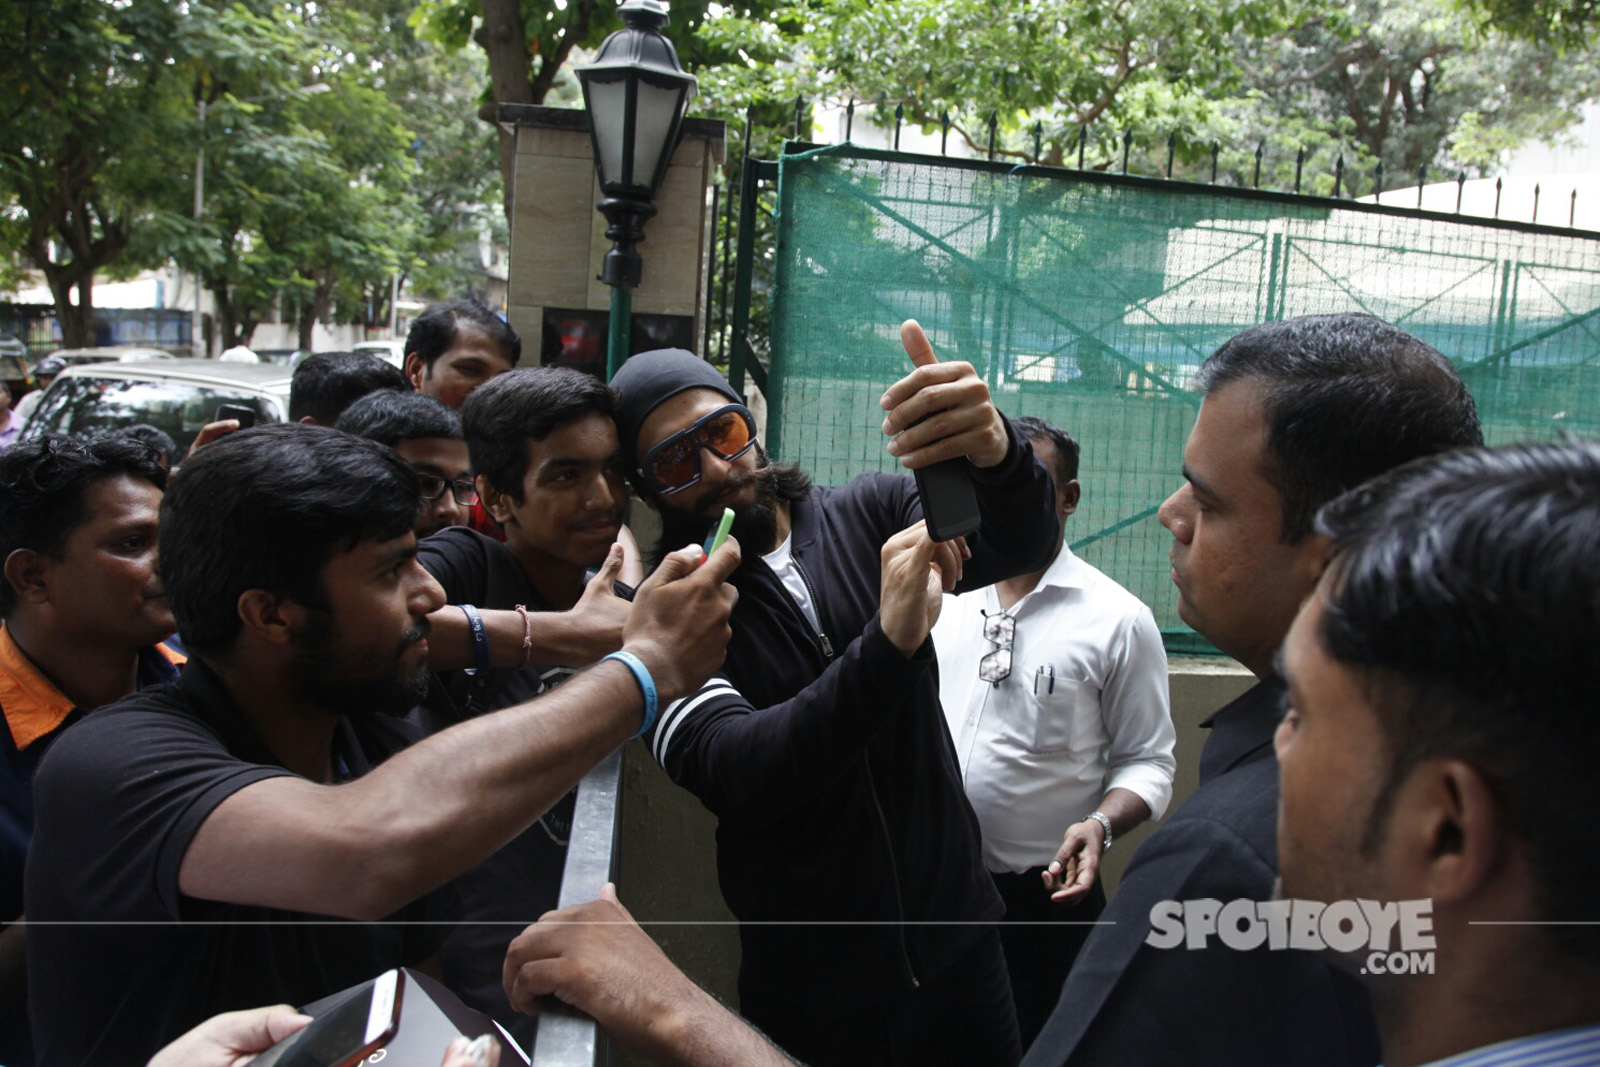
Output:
(334, 724)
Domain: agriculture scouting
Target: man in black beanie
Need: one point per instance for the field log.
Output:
(846, 846)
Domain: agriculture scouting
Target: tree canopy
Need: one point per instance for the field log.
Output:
(337, 151)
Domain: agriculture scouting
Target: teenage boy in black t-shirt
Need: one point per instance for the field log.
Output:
(549, 470)
(197, 844)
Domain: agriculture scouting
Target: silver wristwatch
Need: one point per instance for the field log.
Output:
(1101, 818)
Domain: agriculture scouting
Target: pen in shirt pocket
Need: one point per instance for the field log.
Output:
(1046, 674)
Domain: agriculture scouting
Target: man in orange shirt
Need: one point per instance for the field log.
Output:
(83, 613)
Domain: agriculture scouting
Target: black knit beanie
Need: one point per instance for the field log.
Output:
(646, 380)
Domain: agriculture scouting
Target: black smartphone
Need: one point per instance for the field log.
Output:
(949, 502)
(245, 414)
(345, 1034)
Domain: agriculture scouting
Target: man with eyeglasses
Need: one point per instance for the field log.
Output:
(427, 435)
(1054, 685)
(845, 844)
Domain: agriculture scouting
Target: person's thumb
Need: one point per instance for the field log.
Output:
(606, 576)
(916, 343)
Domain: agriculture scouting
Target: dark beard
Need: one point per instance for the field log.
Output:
(323, 681)
(756, 527)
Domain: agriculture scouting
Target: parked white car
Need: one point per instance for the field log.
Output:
(388, 351)
(178, 396)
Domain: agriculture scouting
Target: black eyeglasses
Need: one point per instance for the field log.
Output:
(432, 487)
(674, 465)
(998, 629)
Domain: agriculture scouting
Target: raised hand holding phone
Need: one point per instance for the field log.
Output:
(942, 422)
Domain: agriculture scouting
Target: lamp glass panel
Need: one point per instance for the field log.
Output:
(608, 110)
(658, 112)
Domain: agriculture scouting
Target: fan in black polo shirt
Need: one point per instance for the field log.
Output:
(198, 846)
(549, 470)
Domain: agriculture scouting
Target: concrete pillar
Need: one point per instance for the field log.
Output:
(555, 299)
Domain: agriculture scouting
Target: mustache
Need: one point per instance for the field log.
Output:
(737, 482)
(419, 630)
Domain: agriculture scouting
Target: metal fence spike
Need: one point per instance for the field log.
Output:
(899, 117)
(849, 118)
(1127, 143)
(1299, 163)
(1255, 183)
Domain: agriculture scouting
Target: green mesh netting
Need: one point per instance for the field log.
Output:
(1090, 302)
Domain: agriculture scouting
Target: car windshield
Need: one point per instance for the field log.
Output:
(80, 405)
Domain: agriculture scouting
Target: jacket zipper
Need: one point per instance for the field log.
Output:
(872, 786)
(827, 646)
(894, 875)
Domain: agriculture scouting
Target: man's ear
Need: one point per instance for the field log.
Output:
(1067, 497)
(274, 619)
(414, 369)
(1450, 830)
(25, 572)
(496, 503)
(1311, 559)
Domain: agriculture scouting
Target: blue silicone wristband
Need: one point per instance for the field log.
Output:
(647, 684)
(480, 637)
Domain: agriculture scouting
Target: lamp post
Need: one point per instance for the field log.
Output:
(197, 345)
(636, 95)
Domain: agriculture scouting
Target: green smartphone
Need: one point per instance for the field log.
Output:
(720, 535)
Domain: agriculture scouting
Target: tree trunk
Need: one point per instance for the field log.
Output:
(76, 320)
(504, 40)
(225, 315)
(306, 322)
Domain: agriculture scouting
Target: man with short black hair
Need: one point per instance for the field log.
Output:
(159, 441)
(1293, 413)
(1054, 685)
(427, 435)
(194, 841)
(84, 615)
(325, 384)
(1441, 742)
(453, 348)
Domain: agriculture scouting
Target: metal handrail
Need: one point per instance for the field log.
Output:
(567, 1037)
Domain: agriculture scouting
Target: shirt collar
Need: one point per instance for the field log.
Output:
(33, 706)
(1556, 1048)
(1066, 571)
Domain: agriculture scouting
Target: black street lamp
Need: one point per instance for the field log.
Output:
(636, 95)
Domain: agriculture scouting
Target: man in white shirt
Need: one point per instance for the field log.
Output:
(1054, 685)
